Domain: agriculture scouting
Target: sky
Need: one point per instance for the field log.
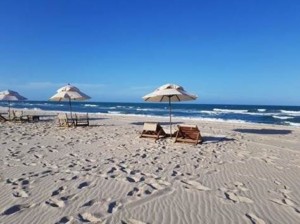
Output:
(226, 52)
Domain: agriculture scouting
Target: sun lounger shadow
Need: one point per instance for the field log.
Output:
(152, 130)
(215, 139)
(264, 131)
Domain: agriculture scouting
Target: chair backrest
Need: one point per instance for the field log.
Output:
(62, 116)
(82, 119)
(188, 133)
(82, 116)
(152, 130)
(18, 113)
(150, 126)
(192, 131)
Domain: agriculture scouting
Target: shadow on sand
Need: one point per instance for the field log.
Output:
(264, 131)
(215, 139)
(161, 123)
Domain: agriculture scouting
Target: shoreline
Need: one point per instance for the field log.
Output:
(166, 118)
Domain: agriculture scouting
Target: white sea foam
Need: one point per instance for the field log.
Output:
(261, 110)
(149, 109)
(208, 112)
(90, 105)
(114, 112)
(291, 112)
(230, 111)
(221, 120)
(144, 109)
(292, 123)
(282, 117)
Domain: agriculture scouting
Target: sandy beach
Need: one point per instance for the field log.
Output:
(105, 173)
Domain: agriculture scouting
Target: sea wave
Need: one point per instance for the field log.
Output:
(149, 109)
(230, 111)
(114, 112)
(261, 110)
(90, 105)
(282, 117)
(292, 123)
(291, 112)
(222, 120)
(208, 112)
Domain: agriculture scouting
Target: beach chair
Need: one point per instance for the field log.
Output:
(64, 121)
(82, 120)
(152, 130)
(188, 134)
(18, 116)
(3, 119)
(33, 118)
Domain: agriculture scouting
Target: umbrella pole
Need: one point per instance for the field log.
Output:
(70, 108)
(170, 111)
(9, 110)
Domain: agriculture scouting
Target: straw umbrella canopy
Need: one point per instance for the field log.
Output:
(69, 93)
(9, 95)
(169, 93)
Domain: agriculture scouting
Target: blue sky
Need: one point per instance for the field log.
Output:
(235, 52)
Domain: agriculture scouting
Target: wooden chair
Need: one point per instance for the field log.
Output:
(64, 121)
(188, 134)
(33, 118)
(153, 130)
(18, 116)
(3, 119)
(82, 120)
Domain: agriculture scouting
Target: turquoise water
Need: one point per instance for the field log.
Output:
(282, 115)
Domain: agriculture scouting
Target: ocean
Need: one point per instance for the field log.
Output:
(280, 115)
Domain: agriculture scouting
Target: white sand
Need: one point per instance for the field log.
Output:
(105, 173)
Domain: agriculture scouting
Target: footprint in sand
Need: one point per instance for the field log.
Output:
(254, 219)
(54, 202)
(17, 208)
(132, 221)
(88, 217)
(83, 185)
(65, 220)
(236, 198)
(285, 200)
(132, 192)
(59, 190)
(194, 185)
(89, 203)
(113, 206)
(20, 194)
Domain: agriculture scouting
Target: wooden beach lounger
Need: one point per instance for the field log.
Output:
(18, 116)
(188, 134)
(64, 121)
(3, 119)
(152, 130)
(82, 120)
